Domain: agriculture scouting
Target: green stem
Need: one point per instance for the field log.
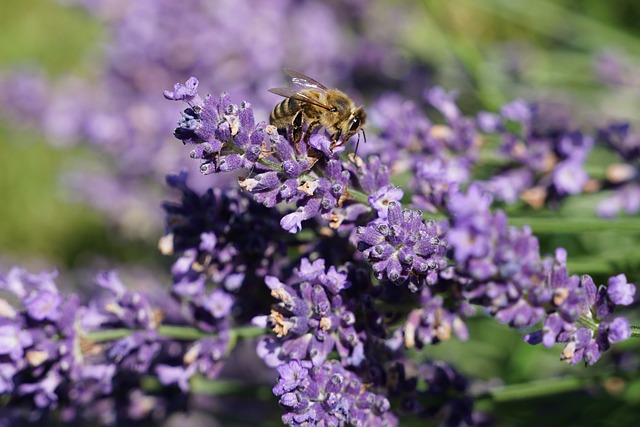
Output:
(635, 331)
(587, 323)
(540, 388)
(358, 196)
(187, 333)
(220, 387)
(108, 335)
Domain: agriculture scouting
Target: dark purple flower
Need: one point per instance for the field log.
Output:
(381, 199)
(438, 156)
(65, 364)
(576, 301)
(292, 376)
(43, 305)
(437, 180)
(220, 236)
(328, 394)
(500, 267)
(218, 303)
(402, 247)
(623, 178)
(13, 341)
(569, 177)
(43, 391)
(276, 170)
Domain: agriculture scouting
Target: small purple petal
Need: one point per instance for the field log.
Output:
(619, 290)
(618, 330)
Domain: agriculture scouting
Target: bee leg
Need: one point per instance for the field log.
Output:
(334, 140)
(311, 127)
(296, 128)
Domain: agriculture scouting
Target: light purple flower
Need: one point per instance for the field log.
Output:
(218, 303)
(569, 177)
(13, 341)
(179, 375)
(620, 291)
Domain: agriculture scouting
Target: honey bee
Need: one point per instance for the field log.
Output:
(315, 105)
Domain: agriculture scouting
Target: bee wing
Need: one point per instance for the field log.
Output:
(304, 81)
(298, 96)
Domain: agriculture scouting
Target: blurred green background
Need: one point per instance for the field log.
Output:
(492, 51)
(40, 225)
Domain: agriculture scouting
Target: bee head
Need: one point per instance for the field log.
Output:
(356, 121)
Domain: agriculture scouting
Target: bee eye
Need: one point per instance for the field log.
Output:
(355, 123)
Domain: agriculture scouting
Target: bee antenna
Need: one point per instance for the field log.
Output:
(355, 152)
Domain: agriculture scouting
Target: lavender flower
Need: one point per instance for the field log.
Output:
(328, 394)
(546, 156)
(56, 354)
(39, 353)
(439, 157)
(221, 236)
(312, 318)
(500, 267)
(405, 129)
(402, 247)
(277, 171)
(434, 321)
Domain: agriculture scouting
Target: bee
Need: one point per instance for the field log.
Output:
(315, 105)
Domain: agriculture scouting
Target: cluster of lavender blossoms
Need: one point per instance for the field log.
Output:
(328, 394)
(327, 330)
(500, 267)
(546, 157)
(90, 361)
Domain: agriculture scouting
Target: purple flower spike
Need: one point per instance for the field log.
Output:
(218, 235)
(292, 375)
(311, 318)
(329, 394)
(402, 246)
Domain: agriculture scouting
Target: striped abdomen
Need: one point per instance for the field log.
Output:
(283, 113)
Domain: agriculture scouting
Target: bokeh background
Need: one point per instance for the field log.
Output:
(85, 135)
